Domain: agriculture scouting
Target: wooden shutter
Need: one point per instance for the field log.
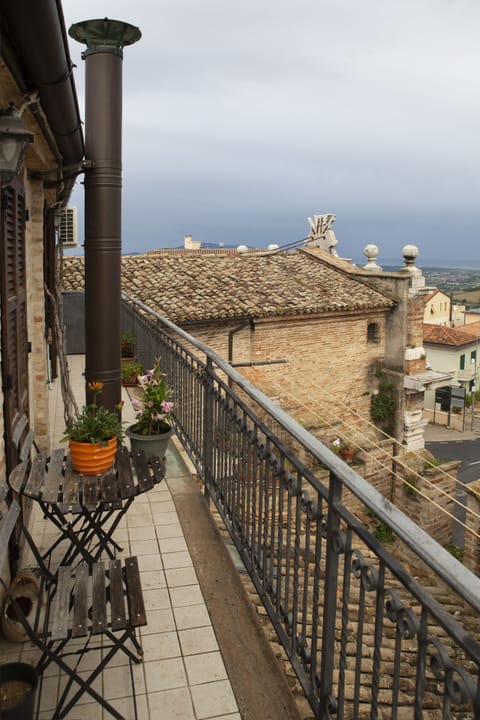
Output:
(14, 312)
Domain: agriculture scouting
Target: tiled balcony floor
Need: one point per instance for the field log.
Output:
(183, 675)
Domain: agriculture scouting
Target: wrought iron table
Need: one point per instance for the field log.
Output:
(95, 503)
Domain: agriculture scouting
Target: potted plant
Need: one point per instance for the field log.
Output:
(93, 436)
(345, 449)
(152, 429)
(130, 372)
(127, 346)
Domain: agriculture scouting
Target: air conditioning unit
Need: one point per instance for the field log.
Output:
(67, 230)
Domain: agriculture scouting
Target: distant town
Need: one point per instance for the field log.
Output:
(463, 284)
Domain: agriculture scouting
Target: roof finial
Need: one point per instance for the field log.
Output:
(417, 281)
(371, 253)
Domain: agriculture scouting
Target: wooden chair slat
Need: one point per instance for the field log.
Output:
(18, 431)
(158, 469)
(99, 600)
(90, 491)
(59, 615)
(3, 490)
(70, 486)
(116, 596)
(6, 529)
(36, 477)
(125, 475)
(144, 479)
(53, 478)
(80, 606)
(17, 477)
(108, 488)
(26, 446)
(136, 605)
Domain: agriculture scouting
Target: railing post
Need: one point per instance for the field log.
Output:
(208, 429)
(334, 546)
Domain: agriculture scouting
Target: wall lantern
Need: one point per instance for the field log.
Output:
(14, 140)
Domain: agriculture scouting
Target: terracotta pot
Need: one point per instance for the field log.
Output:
(347, 455)
(92, 458)
(152, 445)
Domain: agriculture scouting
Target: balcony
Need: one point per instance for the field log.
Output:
(364, 636)
(466, 375)
(368, 633)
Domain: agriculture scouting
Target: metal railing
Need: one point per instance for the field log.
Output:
(368, 635)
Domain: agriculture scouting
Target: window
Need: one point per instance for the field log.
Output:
(373, 333)
(462, 362)
(473, 356)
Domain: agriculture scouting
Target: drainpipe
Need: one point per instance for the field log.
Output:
(230, 341)
(105, 40)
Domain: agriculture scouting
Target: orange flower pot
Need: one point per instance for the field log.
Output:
(92, 458)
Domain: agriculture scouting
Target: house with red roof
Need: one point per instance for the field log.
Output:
(452, 350)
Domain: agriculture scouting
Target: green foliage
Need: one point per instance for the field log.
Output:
(382, 532)
(431, 463)
(131, 369)
(382, 405)
(154, 410)
(127, 344)
(95, 424)
(410, 485)
(455, 550)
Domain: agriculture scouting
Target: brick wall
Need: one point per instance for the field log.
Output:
(328, 358)
(420, 493)
(34, 242)
(471, 553)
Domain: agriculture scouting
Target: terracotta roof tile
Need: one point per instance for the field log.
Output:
(470, 329)
(441, 335)
(202, 287)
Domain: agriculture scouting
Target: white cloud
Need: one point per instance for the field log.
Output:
(312, 105)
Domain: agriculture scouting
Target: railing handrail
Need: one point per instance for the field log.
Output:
(458, 577)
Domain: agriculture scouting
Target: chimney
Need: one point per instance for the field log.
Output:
(105, 40)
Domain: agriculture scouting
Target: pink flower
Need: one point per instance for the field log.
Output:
(166, 406)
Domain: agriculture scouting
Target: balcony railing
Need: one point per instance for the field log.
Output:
(466, 375)
(368, 635)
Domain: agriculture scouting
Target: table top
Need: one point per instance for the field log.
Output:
(53, 480)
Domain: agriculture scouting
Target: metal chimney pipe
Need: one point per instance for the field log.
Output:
(105, 40)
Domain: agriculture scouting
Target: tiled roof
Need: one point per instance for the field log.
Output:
(430, 295)
(441, 335)
(470, 329)
(204, 287)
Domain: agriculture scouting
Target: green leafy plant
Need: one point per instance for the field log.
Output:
(154, 409)
(382, 405)
(95, 424)
(130, 371)
(432, 463)
(411, 485)
(455, 550)
(340, 445)
(382, 532)
(127, 342)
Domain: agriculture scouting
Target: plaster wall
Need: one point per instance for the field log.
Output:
(437, 309)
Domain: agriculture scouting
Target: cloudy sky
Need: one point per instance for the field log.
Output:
(243, 119)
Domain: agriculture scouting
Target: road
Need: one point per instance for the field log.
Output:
(468, 451)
